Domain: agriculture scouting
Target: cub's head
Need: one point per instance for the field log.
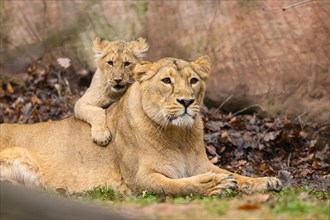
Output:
(173, 89)
(117, 59)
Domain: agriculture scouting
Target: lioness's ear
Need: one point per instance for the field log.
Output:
(202, 66)
(139, 47)
(141, 71)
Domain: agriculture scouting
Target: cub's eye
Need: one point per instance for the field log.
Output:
(167, 80)
(127, 63)
(193, 80)
(110, 62)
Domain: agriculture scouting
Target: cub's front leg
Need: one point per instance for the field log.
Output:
(207, 184)
(96, 117)
(251, 185)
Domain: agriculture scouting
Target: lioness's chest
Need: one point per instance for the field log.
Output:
(180, 165)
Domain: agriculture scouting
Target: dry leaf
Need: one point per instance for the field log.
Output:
(2, 92)
(9, 88)
(214, 160)
(303, 134)
(20, 118)
(271, 135)
(249, 207)
(26, 108)
(35, 100)
(224, 134)
(268, 124)
(64, 62)
(211, 149)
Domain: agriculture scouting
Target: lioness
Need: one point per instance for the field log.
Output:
(157, 142)
(115, 62)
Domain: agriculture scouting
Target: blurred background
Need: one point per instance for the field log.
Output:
(261, 55)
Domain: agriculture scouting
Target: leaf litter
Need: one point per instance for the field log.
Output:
(252, 145)
(265, 146)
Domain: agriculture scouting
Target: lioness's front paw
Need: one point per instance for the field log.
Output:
(272, 183)
(101, 135)
(216, 184)
(261, 184)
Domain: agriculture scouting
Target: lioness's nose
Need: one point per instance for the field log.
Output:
(185, 102)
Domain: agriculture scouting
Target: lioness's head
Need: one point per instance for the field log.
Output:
(117, 59)
(173, 89)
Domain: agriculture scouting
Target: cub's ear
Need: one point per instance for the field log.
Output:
(202, 66)
(98, 46)
(142, 71)
(139, 47)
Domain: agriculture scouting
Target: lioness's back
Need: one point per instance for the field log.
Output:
(79, 163)
(30, 135)
(51, 136)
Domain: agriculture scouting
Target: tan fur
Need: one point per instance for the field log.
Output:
(111, 72)
(157, 144)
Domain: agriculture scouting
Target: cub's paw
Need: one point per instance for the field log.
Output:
(101, 135)
(216, 184)
(261, 184)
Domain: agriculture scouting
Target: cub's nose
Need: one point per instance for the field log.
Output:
(117, 80)
(185, 102)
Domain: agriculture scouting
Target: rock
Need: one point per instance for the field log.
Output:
(275, 60)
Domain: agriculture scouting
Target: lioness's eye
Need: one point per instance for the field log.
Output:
(193, 80)
(110, 62)
(127, 63)
(167, 80)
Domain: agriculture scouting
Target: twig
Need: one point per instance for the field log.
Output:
(299, 119)
(26, 118)
(301, 126)
(213, 152)
(288, 7)
(222, 104)
(264, 133)
(317, 132)
(289, 158)
(246, 108)
(302, 114)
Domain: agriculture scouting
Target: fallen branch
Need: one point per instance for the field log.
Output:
(299, 119)
(222, 104)
(288, 7)
(246, 108)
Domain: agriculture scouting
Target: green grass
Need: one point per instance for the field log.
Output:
(146, 198)
(301, 208)
(302, 202)
(293, 192)
(289, 203)
(102, 194)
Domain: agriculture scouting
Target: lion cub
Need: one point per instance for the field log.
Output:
(115, 62)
